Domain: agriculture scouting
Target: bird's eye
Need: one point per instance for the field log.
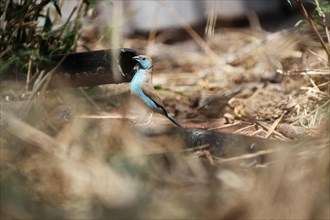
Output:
(143, 58)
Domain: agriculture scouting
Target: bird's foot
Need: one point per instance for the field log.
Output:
(143, 124)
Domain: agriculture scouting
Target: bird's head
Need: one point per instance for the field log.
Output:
(144, 61)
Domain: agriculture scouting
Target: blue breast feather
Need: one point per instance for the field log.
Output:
(136, 89)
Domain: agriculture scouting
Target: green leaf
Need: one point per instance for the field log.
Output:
(19, 40)
(4, 67)
(48, 23)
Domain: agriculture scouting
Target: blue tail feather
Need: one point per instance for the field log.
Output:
(173, 120)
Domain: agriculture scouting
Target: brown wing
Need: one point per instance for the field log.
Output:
(150, 91)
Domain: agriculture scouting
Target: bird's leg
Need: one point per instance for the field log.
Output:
(148, 121)
(138, 122)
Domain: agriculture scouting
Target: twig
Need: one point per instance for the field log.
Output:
(265, 126)
(152, 33)
(28, 78)
(191, 31)
(312, 112)
(200, 147)
(225, 126)
(317, 55)
(67, 22)
(245, 156)
(303, 72)
(244, 128)
(102, 117)
(89, 99)
(116, 37)
(211, 22)
(43, 82)
(274, 125)
(310, 21)
(29, 133)
(232, 58)
(50, 74)
(324, 20)
(3, 16)
(257, 132)
(209, 157)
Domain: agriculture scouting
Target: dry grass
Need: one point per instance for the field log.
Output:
(57, 165)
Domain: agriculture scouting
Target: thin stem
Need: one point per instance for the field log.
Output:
(3, 16)
(310, 21)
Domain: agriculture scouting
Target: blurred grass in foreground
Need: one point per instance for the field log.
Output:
(104, 169)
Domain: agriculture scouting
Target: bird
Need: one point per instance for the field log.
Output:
(141, 86)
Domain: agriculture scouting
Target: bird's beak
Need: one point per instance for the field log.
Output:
(136, 58)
